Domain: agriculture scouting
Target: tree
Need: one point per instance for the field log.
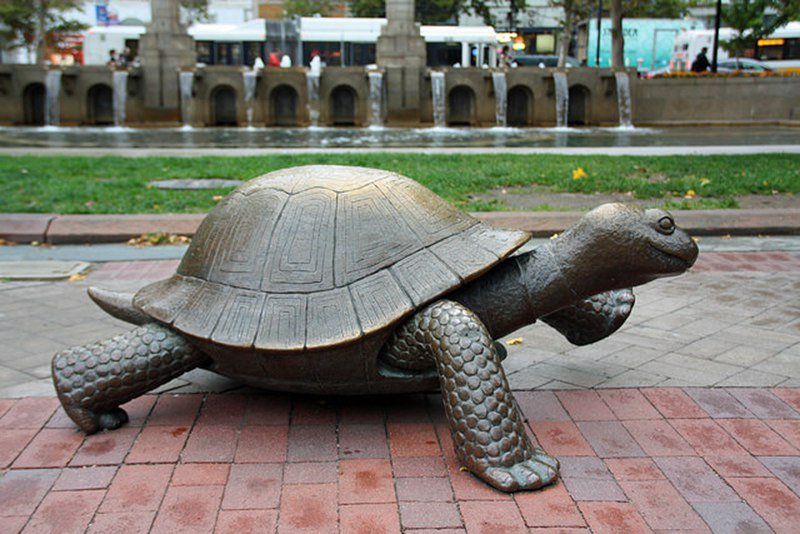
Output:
(437, 11)
(617, 39)
(574, 10)
(658, 9)
(36, 24)
(309, 8)
(755, 19)
(195, 11)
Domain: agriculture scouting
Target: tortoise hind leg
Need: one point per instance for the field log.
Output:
(487, 429)
(93, 380)
(594, 318)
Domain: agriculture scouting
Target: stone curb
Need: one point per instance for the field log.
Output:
(77, 229)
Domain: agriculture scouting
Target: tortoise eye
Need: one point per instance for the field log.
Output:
(666, 225)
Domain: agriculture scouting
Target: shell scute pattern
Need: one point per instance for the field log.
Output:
(320, 256)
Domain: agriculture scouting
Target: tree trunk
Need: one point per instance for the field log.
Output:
(617, 41)
(39, 38)
(566, 34)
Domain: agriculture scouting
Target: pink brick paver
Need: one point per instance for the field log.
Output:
(647, 460)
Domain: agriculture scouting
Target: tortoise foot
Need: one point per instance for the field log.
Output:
(551, 461)
(112, 419)
(526, 475)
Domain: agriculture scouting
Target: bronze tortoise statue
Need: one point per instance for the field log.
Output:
(329, 279)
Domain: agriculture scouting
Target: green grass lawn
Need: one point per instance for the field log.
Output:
(67, 184)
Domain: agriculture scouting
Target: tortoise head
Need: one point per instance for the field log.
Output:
(624, 245)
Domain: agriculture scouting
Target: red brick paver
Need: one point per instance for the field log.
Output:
(644, 460)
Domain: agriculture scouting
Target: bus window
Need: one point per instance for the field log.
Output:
(443, 54)
(252, 50)
(229, 53)
(204, 52)
(362, 53)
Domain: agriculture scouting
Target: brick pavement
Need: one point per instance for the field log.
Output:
(633, 460)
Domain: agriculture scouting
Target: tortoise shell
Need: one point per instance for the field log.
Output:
(320, 256)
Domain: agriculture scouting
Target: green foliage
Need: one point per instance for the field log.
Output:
(368, 8)
(440, 11)
(195, 11)
(308, 8)
(667, 9)
(755, 19)
(65, 184)
(19, 20)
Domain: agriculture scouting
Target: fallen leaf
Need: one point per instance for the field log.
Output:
(726, 236)
(217, 198)
(4, 243)
(89, 203)
(515, 341)
(705, 181)
(158, 238)
(554, 236)
(690, 194)
(463, 469)
(77, 277)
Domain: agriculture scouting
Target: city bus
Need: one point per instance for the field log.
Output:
(338, 41)
(779, 51)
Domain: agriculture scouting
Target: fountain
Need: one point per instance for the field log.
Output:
(312, 84)
(437, 99)
(52, 104)
(562, 99)
(250, 79)
(624, 99)
(120, 82)
(186, 81)
(376, 98)
(500, 97)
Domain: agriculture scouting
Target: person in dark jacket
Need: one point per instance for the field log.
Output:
(701, 63)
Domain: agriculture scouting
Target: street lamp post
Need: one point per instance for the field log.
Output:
(599, 19)
(716, 36)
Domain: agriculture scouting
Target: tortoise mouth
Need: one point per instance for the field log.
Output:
(675, 260)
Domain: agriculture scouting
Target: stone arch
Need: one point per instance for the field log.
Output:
(283, 106)
(100, 104)
(342, 107)
(33, 104)
(461, 106)
(578, 114)
(223, 104)
(519, 107)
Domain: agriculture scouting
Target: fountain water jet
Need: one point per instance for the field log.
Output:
(438, 101)
(186, 81)
(624, 99)
(376, 98)
(562, 99)
(312, 85)
(52, 103)
(120, 82)
(249, 79)
(500, 97)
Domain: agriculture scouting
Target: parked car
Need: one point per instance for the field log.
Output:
(536, 60)
(725, 65)
(742, 64)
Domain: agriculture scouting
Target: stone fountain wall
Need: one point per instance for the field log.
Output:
(281, 97)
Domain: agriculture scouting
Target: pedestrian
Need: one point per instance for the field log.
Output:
(113, 58)
(286, 61)
(274, 58)
(700, 63)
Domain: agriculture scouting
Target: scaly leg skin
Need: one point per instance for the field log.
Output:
(485, 423)
(93, 380)
(593, 319)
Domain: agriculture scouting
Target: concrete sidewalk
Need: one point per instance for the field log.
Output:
(70, 229)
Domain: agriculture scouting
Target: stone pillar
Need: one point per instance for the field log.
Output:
(401, 53)
(164, 49)
(465, 55)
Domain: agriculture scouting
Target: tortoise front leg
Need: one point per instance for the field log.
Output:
(594, 318)
(93, 380)
(484, 419)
